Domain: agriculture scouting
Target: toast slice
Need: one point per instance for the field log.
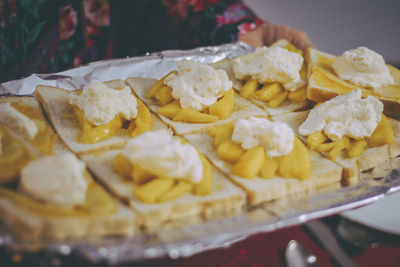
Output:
(28, 225)
(225, 196)
(286, 106)
(47, 142)
(394, 148)
(351, 166)
(323, 84)
(324, 172)
(32, 220)
(61, 116)
(243, 108)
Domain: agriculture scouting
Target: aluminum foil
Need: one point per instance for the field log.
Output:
(195, 234)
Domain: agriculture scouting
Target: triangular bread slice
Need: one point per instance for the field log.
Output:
(61, 116)
(351, 166)
(394, 148)
(225, 197)
(324, 172)
(287, 106)
(323, 84)
(243, 108)
(28, 225)
(37, 110)
(28, 221)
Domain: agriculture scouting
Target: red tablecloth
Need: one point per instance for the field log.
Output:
(267, 249)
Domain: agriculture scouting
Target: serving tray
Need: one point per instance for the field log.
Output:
(191, 235)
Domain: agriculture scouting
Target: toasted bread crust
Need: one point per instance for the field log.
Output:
(324, 172)
(351, 166)
(317, 93)
(60, 113)
(225, 195)
(243, 108)
(287, 106)
(27, 225)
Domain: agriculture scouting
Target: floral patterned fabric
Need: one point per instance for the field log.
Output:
(42, 36)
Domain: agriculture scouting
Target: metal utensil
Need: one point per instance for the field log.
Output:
(297, 255)
(326, 237)
(357, 235)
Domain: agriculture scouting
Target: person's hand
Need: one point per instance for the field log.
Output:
(267, 33)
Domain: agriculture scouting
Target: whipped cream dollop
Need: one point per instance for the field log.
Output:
(161, 154)
(17, 121)
(363, 67)
(101, 104)
(57, 179)
(276, 137)
(344, 115)
(274, 64)
(197, 85)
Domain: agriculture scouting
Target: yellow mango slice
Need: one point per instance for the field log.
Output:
(278, 100)
(315, 139)
(98, 201)
(153, 190)
(357, 148)
(157, 86)
(221, 133)
(143, 122)
(250, 162)
(80, 116)
(290, 47)
(45, 142)
(27, 110)
(39, 207)
(230, 151)
(383, 133)
(303, 72)
(269, 168)
(249, 88)
(326, 79)
(224, 107)
(297, 163)
(141, 175)
(122, 165)
(297, 96)
(268, 92)
(170, 109)
(340, 145)
(193, 116)
(163, 96)
(45, 138)
(205, 186)
(176, 191)
(101, 132)
(325, 147)
(12, 159)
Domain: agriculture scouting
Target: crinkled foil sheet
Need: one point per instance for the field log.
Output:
(192, 235)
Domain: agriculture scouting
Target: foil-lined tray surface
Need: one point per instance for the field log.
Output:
(196, 234)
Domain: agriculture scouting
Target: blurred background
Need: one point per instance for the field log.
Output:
(340, 25)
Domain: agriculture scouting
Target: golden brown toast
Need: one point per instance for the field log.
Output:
(224, 197)
(30, 219)
(61, 115)
(324, 172)
(243, 108)
(351, 166)
(287, 106)
(323, 84)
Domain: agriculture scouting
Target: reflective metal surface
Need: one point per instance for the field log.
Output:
(195, 234)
